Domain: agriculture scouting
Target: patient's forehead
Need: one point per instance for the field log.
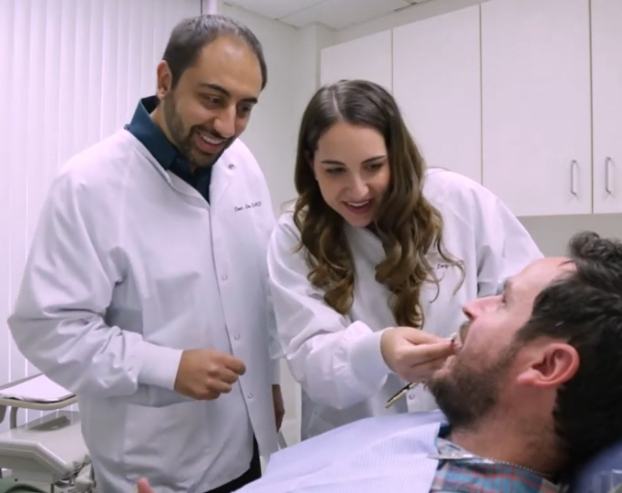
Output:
(540, 273)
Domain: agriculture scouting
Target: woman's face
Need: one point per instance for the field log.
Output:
(351, 166)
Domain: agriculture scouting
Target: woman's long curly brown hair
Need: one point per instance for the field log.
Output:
(406, 223)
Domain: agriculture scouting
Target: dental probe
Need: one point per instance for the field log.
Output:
(404, 390)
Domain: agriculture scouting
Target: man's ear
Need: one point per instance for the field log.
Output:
(164, 79)
(550, 365)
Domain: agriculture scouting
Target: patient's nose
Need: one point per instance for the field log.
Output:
(476, 307)
(471, 309)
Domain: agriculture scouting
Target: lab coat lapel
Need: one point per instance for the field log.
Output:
(222, 177)
(176, 183)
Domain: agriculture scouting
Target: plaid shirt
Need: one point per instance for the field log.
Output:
(460, 471)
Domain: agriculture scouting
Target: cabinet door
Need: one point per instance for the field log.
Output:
(607, 104)
(536, 105)
(363, 58)
(436, 81)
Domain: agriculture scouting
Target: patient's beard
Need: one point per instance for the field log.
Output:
(469, 391)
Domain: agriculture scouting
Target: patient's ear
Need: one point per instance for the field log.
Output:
(550, 365)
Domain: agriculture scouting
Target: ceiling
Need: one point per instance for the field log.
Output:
(336, 14)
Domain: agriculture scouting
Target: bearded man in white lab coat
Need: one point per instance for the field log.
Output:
(145, 289)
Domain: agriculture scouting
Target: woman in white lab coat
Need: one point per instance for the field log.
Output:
(374, 249)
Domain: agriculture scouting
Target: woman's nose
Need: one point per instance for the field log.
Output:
(359, 187)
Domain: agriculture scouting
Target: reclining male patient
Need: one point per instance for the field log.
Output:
(533, 389)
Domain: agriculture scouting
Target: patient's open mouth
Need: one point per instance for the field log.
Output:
(460, 336)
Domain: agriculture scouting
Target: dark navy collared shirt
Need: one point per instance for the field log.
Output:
(169, 157)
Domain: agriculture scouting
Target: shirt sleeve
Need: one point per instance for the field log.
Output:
(59, 317)
(274, 348)
(337, 362)
(493, 242)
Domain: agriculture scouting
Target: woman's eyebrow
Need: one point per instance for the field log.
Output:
(375, 158)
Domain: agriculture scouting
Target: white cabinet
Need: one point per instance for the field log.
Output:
(522, 95)
(363, 58)
(436, 81)
(536, 120)
(607, 104)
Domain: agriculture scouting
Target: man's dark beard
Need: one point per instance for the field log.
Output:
(468, 392)
(182, 142)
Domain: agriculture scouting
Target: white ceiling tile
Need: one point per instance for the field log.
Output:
(274, 9)
(339, 14)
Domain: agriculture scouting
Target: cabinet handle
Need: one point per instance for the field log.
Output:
(609, 170)
(574, 167)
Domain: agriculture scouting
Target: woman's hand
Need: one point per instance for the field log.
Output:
(414, 354)
(143, 486)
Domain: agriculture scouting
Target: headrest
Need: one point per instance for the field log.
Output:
(602, 474)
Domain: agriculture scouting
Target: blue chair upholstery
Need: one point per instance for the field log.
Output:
(603, 474)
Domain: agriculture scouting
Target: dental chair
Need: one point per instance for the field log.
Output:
(47, 454)
(602, 474)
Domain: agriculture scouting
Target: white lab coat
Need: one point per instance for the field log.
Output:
(393, 454)
(337, 358)
(130, 265)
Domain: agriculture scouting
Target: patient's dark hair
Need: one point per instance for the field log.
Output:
(585, 308)
(191, 35)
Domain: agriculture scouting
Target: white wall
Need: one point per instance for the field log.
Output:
(552, 233)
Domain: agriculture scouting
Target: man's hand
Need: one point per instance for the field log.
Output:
(414, 354)
(205, 373)
(143, 486)
(279, 407)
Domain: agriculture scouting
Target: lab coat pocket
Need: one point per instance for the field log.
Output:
(156, 437)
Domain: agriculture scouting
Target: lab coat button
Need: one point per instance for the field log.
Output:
(224, 277)
(237, 337)
(250, 395)
(231, 166)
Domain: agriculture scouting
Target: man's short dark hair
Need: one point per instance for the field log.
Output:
(191, 35)
(585, 308)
